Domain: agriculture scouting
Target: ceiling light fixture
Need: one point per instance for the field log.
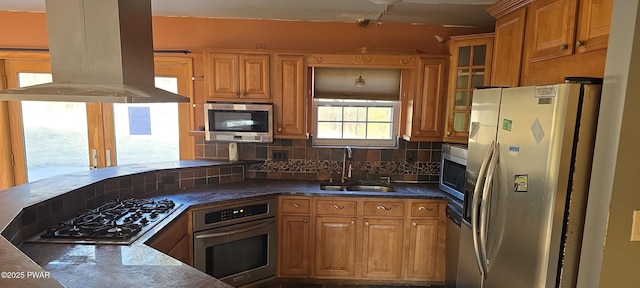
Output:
(384, 2)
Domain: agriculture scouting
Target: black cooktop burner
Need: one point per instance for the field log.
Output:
(117, 222)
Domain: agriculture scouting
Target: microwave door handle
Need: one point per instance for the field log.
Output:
(475, 205)
(236, 231)
(484, 211)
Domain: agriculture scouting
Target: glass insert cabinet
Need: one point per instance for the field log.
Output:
(470, 67)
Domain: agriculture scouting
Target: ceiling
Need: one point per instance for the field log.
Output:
(432, 12)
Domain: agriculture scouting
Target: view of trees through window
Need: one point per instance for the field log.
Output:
(355, 122)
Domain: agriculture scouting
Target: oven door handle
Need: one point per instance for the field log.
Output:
(237, 231)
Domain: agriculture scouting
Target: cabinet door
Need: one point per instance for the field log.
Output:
(423, 248)
(254, 76)
(335, 247)
(508, 47)
(223, 82)
(382, 248)
(289, 97)
(427, 107)
(552, 28)
(470, 68)
(294, 246)
(594, 18)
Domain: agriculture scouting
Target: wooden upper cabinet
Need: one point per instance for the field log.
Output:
(552, 26)
(469, 68)
(594, 18)
(507, 49)
(233, 76)
(424, 120)
(289, 97)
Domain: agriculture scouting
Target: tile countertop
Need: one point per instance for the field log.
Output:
(138, 264)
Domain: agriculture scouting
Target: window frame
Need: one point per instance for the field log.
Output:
(368, 143)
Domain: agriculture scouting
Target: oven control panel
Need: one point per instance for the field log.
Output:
(235, 213)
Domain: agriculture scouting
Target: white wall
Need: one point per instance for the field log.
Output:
(615, 182)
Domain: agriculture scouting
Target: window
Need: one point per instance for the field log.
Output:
(367, 123)
(348, 112)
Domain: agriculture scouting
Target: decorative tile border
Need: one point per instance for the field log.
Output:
(297, 159)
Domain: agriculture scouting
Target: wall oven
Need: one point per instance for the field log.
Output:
(238, 122)
(453, 166)
(236, 243)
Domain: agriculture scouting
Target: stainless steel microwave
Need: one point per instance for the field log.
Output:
(453, 166)
(238, 122)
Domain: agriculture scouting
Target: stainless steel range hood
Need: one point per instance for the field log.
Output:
(101, 51)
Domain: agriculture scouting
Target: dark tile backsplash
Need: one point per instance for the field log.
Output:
(297, 159)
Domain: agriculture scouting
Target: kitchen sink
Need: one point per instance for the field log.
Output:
(332, 187)
(354, 187)
(371, 188)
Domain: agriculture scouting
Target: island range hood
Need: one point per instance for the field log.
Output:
(101, 51)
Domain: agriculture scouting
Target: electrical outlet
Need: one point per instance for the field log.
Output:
(635, 226)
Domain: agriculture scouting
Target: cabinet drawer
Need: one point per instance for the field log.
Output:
(295, 206)
(379, 208)
(424, 209)
(336, 207)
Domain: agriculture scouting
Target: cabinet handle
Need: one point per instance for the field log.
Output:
(366, 223)
(295, 205)
(353, 221)
(448, 133)
(336, 206)
(383, 208)
(414, 224)
(564, 47)
(579, 43)
(422, 208)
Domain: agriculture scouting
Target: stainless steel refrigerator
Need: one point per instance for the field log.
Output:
(528, 170)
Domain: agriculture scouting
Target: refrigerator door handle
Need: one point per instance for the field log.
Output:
(484, 210)
(475, 205)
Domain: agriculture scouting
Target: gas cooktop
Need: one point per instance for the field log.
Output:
(117, 222)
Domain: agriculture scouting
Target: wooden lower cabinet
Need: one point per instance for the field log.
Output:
(423, 247)
(294, 246)
(293, 237)
(335, 251)
(382, 248)
(174, 240)
(351, 238)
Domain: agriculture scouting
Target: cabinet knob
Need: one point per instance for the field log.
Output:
(422, 208)
(279, 129)
(414, 224)
(564, 47)
(448, 133)
(383, 208)
(305, 220)
(579, 43)
(366, 223)
(295, 205)
(336, 206)
(353, 221)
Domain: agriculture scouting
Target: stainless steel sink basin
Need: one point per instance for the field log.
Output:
(332, 187)
(356, 187)
(371, 188)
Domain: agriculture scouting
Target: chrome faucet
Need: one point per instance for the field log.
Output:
(348, 154)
